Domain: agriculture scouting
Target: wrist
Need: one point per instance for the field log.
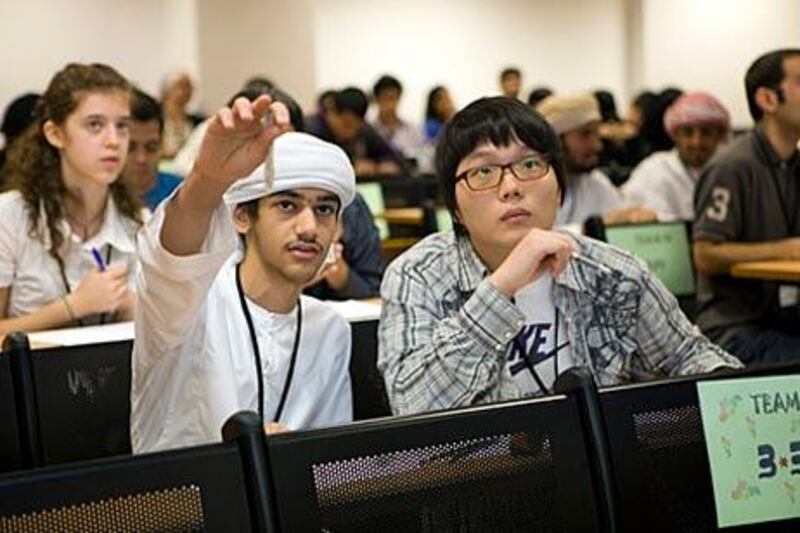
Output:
(502, 285)
(71, 307)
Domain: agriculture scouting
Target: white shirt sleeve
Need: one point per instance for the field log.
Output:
(338, 407)
(13, 227)
(173, 288)
(605, 196)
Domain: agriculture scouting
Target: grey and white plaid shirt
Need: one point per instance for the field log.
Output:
(444, 328)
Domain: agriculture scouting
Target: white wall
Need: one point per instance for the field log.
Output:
(143, 39)
(243, 38)
(463, 44)
(709, 44)
(308, 45)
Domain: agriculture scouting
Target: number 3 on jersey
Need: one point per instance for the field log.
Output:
(720, 198)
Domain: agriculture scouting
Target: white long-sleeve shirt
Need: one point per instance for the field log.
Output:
(661, 182)
(587, 194)
(193, 364)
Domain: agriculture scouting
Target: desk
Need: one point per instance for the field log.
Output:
(403, 216)
(369, 396)
(353, 310)
(768, 270)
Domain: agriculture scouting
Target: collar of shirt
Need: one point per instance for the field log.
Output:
(116, 231)
(793, 164)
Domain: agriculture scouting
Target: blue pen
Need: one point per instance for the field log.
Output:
(98, 259)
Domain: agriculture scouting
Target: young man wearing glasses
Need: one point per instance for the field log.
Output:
(498, 308)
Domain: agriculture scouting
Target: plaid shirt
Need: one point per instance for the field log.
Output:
(444, 328)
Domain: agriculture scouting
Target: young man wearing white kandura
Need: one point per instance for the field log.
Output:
(222, 328)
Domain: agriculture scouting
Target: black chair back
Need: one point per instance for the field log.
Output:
(369, 392)
(193, 489)
(659, 460)
(518, 466)
(10, 453)
(83, 399)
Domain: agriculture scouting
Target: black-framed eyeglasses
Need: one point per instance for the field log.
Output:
(485, 177)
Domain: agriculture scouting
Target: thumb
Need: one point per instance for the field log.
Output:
(278, 123)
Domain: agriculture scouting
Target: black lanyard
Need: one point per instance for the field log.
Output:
(68, 289)
(257, 352)
(787, 216)
(556, 349)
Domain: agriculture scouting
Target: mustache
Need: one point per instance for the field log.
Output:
(305, 245)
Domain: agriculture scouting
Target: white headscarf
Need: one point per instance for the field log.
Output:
(298, 160)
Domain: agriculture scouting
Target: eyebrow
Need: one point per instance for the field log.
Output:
(324, 197)
(106, 117)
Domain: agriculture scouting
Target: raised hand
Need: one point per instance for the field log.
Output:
(537, 252)
(238, 139)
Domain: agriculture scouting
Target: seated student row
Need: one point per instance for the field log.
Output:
(73, 207)
(421, 370)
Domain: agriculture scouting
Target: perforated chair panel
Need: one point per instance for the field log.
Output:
(183, 490)
(516, 468)
(83, 395)
(179, 509)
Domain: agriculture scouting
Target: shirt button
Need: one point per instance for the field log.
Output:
(508, 335)
(498, 346)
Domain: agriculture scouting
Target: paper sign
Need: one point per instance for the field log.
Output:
(665, 249)
(752, 430)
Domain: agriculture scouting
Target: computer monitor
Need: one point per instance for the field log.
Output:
(664, 246)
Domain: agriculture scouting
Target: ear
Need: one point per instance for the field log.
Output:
(766, 99)
(241, 220)
(53, 133)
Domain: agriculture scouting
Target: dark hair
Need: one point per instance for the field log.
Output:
(351, 100)
(324, 95)
(645, 101)
(145, 108)
(766, 71)
(497, 120)
(607, 105)
(430, 108)
(538, 94)
(387, 83)
(251, 92)
(35, 165)
(19, 114)
(259, 83)
(510, 71)
(652, 131)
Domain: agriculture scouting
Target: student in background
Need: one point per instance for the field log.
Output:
(67, 227)
(438, 111)
(510, 82)
(178, 122)
(141, 168)
(222, 325)
(665, 181)
(587, 191)
(499, 307)
(747, 206)
(403, 136)
(345, 126)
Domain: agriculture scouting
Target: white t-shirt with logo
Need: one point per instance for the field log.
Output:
(531, 355)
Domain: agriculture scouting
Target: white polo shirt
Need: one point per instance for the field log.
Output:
(33, 275)
(193, 365)
(662, 182)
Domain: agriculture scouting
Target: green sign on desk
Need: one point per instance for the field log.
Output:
(752, 430)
